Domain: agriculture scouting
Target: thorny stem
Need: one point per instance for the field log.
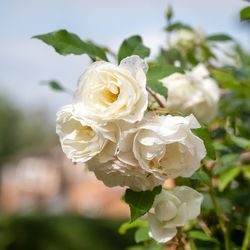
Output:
(155, 97)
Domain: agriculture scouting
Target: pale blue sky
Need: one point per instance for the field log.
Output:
(24, 62)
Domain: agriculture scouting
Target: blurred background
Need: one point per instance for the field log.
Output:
(45, 201)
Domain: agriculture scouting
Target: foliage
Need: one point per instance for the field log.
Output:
(245, 13)
(66, 43)
(18, 130)
(67, 232)
(157, 72)
(140, 202)
(133, 46)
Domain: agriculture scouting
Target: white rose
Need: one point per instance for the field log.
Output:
(82, 139)
(118, 173)
(187, 38)
(173, 209)
(164, 146)
(109, 92)
(193, 93)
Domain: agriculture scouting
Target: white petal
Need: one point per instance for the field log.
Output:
(134, 64)
(192, 198)
(165, 210)
(193, 121)
(180, 219)
(166, 195)
(211, 88)
(117, 173)
(200, 72)
(158, 231)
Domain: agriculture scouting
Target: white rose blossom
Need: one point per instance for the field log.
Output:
(82, 139)
(187, 38)
(163, 146)
(172, 209)
(109, 92)
(192, 93)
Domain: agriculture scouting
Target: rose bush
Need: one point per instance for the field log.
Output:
(127, 141)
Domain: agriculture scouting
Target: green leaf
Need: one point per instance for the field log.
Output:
(178, 26)
(142, 234)
(55, 85)
(140, 202)
(133, 46)
(170, 56)
(199, 235)
(225, 78)
(158, 87)
(202, 176)
(245, 13)
(241, 142)
(66, 43)
(160, 71)
(207, 53)
(225, 162)
(157, 72)
(246, 171)
(227, 176)
(221, 147)
(219, 38)
(190, 56)
(130, 225)
(204, 134)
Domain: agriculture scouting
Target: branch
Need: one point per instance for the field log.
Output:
(155, 97)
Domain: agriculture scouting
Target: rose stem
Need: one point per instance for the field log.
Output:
(155, 97)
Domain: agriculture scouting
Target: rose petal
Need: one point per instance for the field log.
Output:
(158, 231)
(192, 198)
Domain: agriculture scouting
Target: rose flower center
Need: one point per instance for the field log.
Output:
(108, 95)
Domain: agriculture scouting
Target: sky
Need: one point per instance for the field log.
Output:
(26, 62)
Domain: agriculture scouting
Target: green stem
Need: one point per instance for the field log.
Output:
(221, 221)
(247, 236)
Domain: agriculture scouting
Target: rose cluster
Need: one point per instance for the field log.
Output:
(108, 127)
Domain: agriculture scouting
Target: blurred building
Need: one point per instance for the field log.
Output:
(48, 182)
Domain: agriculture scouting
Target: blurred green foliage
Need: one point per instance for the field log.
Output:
(21, 132)
(62, 232)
